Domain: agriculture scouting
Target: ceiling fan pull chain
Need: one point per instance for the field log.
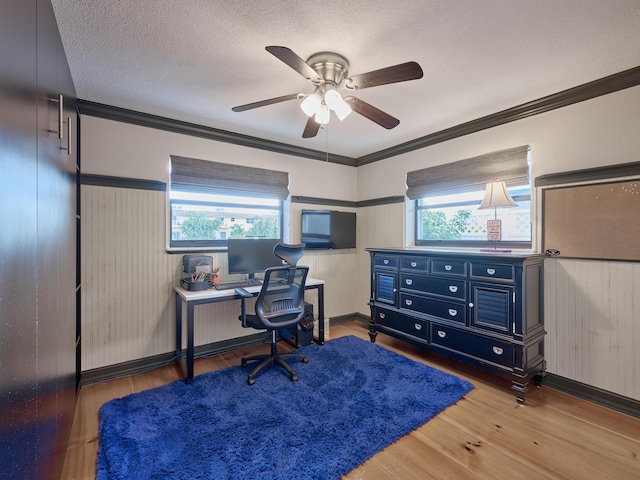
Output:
(327, 142)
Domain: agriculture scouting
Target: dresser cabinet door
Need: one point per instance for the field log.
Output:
(385, 287)
(492, 307)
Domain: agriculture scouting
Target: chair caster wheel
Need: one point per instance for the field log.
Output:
(305, 360)
(251, 381)
(243, 362)
(294, 378)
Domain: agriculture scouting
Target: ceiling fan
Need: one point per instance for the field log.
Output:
(329, 73)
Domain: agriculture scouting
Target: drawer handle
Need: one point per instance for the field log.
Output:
(414, 264)
(453, 312)
(381, 315)
(417, 326)
(408, 302)
(498, 350)
(408, 281)
(385, 261)
(442, 334)
(447, 267)
(491, 271)
(453, 288)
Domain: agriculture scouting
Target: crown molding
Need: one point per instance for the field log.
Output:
(124, 115)
(610, 84)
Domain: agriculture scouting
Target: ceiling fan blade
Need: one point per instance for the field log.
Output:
(294, 61)
(311, 128)
(397, 73)
(264, 103)
(372, 113)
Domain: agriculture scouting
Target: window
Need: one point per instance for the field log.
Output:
(447, 198)
(456, 220)
(211, 202)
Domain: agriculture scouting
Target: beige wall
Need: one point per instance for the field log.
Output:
(598, 132)
(113, 148)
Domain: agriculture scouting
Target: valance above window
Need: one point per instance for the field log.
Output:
(203, 176)
(471, 174)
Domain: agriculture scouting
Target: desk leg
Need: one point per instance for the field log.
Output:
(178, 328)
(321, 314)
(189, 342)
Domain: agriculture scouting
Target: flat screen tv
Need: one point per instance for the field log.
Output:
(251, 255)
(328, 229)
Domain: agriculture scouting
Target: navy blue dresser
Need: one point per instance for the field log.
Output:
(484, 309)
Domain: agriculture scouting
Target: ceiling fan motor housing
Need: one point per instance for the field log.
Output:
(331, 67)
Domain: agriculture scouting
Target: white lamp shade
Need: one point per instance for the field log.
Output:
(311, 105)
(497, 195)
(342, 109)
(323, 114)
(331, 98)
(335, 102)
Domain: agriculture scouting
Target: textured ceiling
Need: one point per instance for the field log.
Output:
(193, 60)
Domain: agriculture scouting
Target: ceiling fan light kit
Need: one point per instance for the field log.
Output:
(320, 106)
(329, 72)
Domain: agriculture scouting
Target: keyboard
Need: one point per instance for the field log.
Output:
(251, 282)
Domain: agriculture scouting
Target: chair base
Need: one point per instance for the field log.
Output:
(277, 359)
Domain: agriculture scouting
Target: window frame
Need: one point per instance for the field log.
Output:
(206, 245)
(510, 165)
(196, 176)
(520, 245)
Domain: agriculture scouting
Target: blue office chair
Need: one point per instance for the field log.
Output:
(280, 304)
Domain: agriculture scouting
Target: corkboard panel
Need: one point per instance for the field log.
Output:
(598, 221)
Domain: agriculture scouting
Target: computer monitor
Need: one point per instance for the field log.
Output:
(252, 255)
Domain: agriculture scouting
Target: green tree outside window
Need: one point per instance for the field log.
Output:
(198, 226)
(436, 227)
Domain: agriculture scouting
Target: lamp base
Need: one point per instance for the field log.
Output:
(495, 250)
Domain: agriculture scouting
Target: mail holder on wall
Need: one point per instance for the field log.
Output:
(193, 284)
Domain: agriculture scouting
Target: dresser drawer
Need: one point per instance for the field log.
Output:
(455, 312)
(402, 323)
(449, 267)
(389, 261)
(488, 270)
(487, 349)
(445, 287)
(420, 264)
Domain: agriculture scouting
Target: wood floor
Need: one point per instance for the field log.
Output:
(484, 436)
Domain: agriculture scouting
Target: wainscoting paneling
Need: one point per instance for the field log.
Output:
(126, 277)
(128, 306)
(378, 226)
(336, 267)
(593, 323)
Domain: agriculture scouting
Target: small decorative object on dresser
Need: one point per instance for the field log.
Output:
(482, 309)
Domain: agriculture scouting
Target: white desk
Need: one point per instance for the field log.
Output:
(212, 296)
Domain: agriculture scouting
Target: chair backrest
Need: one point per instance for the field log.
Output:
(280, 303)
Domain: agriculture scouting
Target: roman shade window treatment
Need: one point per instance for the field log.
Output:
(471, 174)
(203, 176)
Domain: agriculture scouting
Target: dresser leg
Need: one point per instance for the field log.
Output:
(521, 390)
(537, 379)
(372, 332)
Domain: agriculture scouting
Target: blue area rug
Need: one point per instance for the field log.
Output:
(352, 400)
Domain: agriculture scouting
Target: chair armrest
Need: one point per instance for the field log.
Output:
(243, 293)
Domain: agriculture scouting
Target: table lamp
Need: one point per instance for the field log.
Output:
(496, 195)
